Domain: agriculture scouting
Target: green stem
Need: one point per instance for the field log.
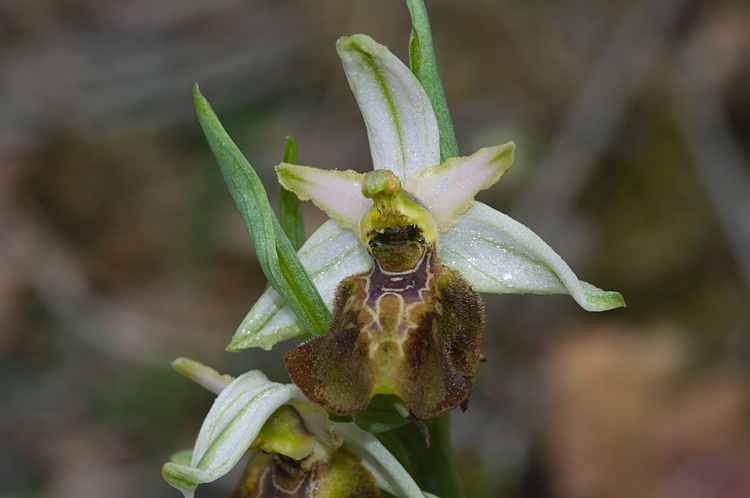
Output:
(441, 465)
(424, 66)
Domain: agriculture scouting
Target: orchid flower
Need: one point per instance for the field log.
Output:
(427, 210)
(296, 447)
(493, 252)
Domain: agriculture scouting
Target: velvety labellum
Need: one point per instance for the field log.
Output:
(409, 326)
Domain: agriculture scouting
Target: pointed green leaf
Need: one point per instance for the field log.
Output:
(277, 258)
(497, 254)
(424, 66)
(331, 254)
(401, 124)
(290, 207)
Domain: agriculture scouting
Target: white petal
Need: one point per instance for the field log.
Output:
(331, 254)
(448, 189)
(389, 474)
(401, 124)
(203, 375)
(338, 193)
(497, 254)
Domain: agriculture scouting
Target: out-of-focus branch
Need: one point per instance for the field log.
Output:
(132, 73)
(39, 260)
(724, 172)
(547, 204)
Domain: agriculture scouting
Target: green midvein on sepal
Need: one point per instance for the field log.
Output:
(275, 252)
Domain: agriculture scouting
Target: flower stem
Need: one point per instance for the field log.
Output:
(440, 466)
(424, 66)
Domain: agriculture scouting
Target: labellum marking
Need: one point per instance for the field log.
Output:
(400, 332)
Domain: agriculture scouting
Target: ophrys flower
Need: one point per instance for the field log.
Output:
(412, 219)
(298, 451)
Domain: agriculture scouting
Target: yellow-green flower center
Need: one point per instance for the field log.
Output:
(397, 229)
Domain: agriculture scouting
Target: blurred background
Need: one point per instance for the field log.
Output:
(120, 248)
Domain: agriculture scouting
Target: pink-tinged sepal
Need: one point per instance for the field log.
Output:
(338, 193)
(448, 189)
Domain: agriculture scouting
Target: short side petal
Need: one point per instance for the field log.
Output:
(201, 374)
(316, 421)
(330, 255)
(338, 193)
(448, 189)
(497, 254)
(401, 124)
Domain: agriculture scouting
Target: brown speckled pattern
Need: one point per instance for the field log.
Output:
(415, 333)
(275, 476)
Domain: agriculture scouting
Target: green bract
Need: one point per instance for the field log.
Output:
(290, 208)
(491, 251)
(276, 254)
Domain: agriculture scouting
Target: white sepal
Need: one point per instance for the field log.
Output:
(401, 124)
(231, 426)
(331, 254)
(497, 254)
(389, 474)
